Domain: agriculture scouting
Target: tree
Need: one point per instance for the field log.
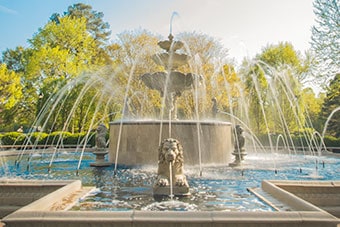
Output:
(60, 52)
(16, 59)
(10, 95)
(281, 54)
(274, 88)
(313, 106)
(99, 30)
(207, 48)
(325, 38)
(256, 104)
(332, 101)
(10, 88)
(209, 61)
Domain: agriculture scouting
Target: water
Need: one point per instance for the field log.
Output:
(220, 188)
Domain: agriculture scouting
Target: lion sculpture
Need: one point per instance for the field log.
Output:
(170, 152)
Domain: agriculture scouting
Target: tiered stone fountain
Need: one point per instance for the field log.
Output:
(135, 142)
(171, 83)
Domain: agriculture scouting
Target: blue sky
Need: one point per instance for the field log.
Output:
(243, 26)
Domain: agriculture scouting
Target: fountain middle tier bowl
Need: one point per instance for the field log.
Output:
(136, 142)
(172, 60)
(173, 82)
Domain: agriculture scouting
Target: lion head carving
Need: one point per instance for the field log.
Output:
(170, 152)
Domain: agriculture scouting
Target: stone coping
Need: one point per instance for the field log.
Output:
(166, 122)
(52, 210)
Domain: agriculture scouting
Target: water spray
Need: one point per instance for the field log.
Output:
(171, 20)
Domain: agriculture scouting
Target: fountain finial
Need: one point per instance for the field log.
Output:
(170, 37)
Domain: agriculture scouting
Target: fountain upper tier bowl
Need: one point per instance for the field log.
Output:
(137, 141)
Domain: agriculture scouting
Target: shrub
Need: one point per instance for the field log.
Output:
(13, 138)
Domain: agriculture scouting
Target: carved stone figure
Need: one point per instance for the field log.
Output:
(170, 152)
(214, 109)
(239, 151)
(100, 137)
(239, 138)
(100, 149)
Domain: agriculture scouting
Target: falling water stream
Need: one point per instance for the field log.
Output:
(171, 195)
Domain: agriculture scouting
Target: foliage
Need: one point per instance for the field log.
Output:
(13, 138)
(274, 90)
(39, 138)
(325, 38)
(256, 88)
(331, 102)
(99, 30)
(312, 106)
(279, 55)
(331, 141)
(10, 88)
(16, 59)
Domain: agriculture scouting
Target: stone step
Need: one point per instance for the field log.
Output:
(7, 209)
(269, 199)
(19, 198)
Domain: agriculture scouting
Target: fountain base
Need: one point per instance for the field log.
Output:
(165, 191)
(205, 142)
(239, 158)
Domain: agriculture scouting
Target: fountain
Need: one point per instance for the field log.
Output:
(133, 142)
(150, 179)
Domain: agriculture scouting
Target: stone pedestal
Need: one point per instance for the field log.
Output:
(239, 157)
(176, 191)
(100, 158)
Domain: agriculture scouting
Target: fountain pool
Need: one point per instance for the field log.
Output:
(220, 188)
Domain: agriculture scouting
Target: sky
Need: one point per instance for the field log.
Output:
(244, 27)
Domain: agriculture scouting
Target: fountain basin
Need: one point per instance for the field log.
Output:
(52, 210)
(204, 142)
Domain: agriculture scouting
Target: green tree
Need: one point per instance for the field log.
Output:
(256, 104)
(16, 59)
(10, 88)
(281, 54)
(313, 106)
(325, 38)
(332, 101)
(95, 25)
(60, 52)
(273, 83)
(10, 95)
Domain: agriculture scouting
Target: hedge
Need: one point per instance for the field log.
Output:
(300, 141)
(40, 138)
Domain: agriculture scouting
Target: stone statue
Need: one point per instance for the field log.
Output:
(170, 152)
(101, 136)
(239, 138)
(100, 149)
(214, 109)
(239, 151)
